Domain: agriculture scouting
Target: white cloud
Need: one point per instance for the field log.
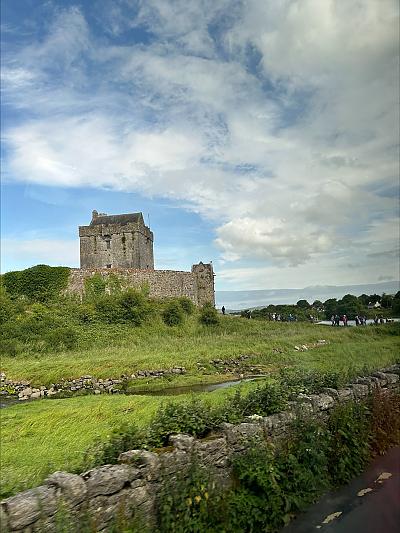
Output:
(272, 239)
(279, 126)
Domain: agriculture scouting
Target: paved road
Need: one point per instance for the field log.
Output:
(377, 511)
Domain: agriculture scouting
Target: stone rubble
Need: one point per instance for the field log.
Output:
(133, 485)
(24, 391)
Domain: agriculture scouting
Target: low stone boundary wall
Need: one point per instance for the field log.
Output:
(131, 487)
(24, 391)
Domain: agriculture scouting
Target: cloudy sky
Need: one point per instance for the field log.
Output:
(259, 134)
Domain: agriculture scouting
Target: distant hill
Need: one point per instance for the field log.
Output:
(235, 300)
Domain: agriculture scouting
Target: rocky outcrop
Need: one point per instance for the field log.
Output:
(131, 488)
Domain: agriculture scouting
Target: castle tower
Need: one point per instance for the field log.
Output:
(204, 273)
(116, 241)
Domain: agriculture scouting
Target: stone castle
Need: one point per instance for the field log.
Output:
(116, 241)
(123, 245)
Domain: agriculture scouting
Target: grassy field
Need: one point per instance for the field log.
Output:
(112, 350)
(40, 437)
(47, 435)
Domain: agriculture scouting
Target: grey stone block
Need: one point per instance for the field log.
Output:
(70, 486)
(182, 441)
(22, 509)
(108, 479)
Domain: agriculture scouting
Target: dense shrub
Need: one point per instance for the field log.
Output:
(95, 287)
(310, 381)
(187, 305)
(272, 485)
(130, 306)
(349, 429)
(264, 400)
(190, 504)
(61, 339)
(385, 421)
(208, 315)
(127, 437)
(10, 347)
(9, 308)
(173, 314)
(194, 417)
(135, 306)
(39, 283)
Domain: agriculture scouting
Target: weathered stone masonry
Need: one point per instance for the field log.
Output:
(197, 285)
(122, 241)
(133, 486)
(123, 245)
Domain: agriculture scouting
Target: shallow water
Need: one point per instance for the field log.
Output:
(6, 401)
(201, 387)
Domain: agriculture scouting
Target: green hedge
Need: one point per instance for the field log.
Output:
(39, 283)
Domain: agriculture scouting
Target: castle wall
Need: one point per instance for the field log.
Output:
(197, 285)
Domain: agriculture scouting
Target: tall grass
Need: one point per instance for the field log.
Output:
(110, 350)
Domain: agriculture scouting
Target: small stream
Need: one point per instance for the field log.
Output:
(7, 401)
(201, 387)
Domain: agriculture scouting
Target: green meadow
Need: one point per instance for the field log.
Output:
(55, 434)
(110, 350)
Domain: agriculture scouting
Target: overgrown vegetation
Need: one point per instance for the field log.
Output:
(40, 283)
(36, 316)
(272, 485)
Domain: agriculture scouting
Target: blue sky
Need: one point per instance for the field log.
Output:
(260, 135)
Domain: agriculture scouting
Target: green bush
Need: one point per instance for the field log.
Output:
(61, 339)
(40, 283)
(173, 314)
(8, 307)
(310, 381)
(130, 306)
(208, 315)
(135, 306)
(189, 504)
(187, 305)
(194, 417)
(258, 503)
(9, 347)
(349, 429)
(95, 287)
(127, 437)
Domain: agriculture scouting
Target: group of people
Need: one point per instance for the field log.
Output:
(336, 319)
(380, 320)
(359, 320)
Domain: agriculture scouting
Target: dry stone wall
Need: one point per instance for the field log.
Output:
(197, 285)
(132, 487)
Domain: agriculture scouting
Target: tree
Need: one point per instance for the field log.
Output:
(350, 306)
(386, 301)
(317, 304)
(303, 304)
(396, 305)
(330, 307)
